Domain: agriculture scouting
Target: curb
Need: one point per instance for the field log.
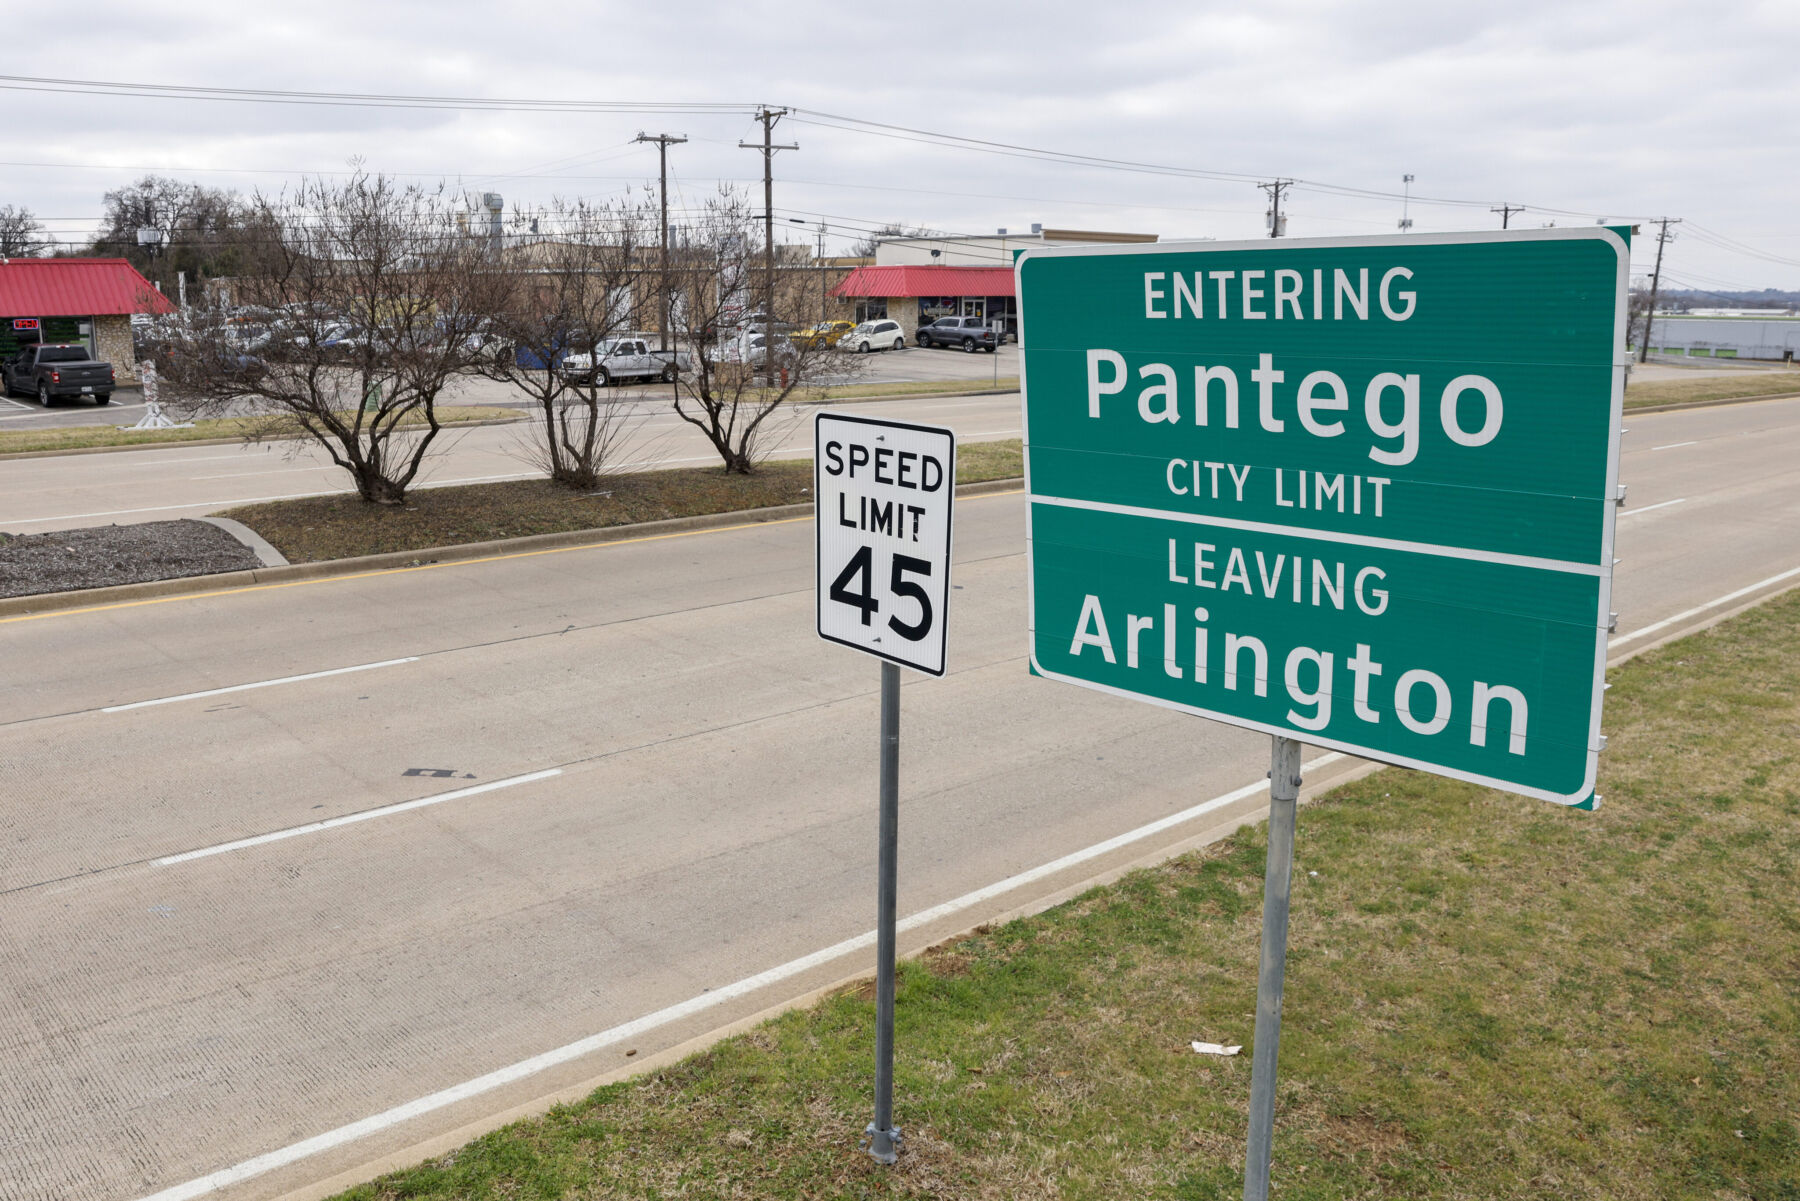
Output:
(47, 602)
(267, 555)
(1707, 404)
(468, 425)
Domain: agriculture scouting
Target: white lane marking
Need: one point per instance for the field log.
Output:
(1652, 508)
(311, 675)
(1673, 445)
(238, 475)
(294, 1152)
(333, 823)
(1699, 609)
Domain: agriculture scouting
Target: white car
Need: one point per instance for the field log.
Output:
(873, 335)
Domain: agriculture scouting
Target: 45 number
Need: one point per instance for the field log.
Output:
(854, 587)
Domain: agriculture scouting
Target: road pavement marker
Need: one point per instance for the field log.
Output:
(311, 675)
(260, 1165)
(1681, 500)
(347, 819)
(1667, 622)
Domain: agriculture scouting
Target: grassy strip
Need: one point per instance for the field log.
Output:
(315, 528)
(81, 437)
(1487, 997)
(911, 388)
(1738, 385)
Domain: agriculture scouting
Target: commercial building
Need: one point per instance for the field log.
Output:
(1727, 337)
(914, 281)
(85, 302)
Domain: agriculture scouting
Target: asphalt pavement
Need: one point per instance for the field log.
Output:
(70, 491)
(303, 876)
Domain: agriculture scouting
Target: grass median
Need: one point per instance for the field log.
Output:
(1740, 385)
(1487, 997)
(316, 528)
(85, 437)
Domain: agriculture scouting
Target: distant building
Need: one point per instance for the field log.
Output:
(85, 302)
(914, 281)
(1726, 337)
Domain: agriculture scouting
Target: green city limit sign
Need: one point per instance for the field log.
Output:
(1355, 491)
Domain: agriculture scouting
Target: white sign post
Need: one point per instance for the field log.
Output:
(153, 418)
(883, 491)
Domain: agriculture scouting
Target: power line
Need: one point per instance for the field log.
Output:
(1277, 223)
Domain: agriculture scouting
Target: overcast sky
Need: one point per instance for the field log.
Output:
(1579, 109)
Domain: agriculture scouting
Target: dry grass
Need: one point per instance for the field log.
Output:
(1488, 998)
(80, 437)
(1745, 385)
(315, 528)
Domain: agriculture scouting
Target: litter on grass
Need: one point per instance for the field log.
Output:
(1214, 1049)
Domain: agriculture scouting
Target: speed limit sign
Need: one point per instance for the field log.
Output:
(883, 491)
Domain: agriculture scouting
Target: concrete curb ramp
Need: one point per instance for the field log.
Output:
(46, 602)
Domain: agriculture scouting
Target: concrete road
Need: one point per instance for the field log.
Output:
(904, 366)
(300, 877)
(71, 491)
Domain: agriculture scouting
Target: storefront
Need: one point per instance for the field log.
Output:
(916, 296)
(81, 302)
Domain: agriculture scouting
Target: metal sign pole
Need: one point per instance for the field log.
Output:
(884, 1137)
(1284, 797)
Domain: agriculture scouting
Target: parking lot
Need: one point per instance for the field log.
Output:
(911, 365)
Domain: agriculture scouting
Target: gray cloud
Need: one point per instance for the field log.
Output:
(1608, 109)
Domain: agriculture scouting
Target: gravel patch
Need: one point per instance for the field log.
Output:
(68, 560)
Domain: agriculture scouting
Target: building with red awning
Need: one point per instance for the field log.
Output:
(83, 302)
(917, 280)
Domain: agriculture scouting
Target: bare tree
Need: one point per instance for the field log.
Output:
(740, 378)
(22, 235)
(569, 286)
(202, 231)
(372, 302)
(864, 247)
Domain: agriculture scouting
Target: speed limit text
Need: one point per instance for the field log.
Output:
(907, 469)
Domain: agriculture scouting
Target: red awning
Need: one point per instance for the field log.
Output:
(76, 288)
(928, 281)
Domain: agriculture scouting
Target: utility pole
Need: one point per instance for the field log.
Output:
(821, 258)
(768, 117)
(1277, 223)
(1506, 211)
(1663, 238)
(1406, 203)
(663, 142)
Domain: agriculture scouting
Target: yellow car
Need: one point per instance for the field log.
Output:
(825, 333)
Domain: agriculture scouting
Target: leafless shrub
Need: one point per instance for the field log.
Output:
(358, 302)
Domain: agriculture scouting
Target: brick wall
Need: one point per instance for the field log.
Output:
(112, 344)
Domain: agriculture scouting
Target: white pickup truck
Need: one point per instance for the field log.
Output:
(626, 359)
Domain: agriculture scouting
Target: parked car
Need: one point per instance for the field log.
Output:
(825, 333)
(751, 347)
(626, 359)
(970, 333)
(52, 371)
(874, 335)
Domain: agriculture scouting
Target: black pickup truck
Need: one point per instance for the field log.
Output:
(57, 370)
(970, 333)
